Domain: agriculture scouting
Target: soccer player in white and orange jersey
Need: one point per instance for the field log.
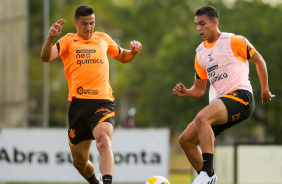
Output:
(223, 60)
(91, 112)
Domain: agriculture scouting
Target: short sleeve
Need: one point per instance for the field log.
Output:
(242, 47)
(200, 72)
(62, 45)
(113, 48)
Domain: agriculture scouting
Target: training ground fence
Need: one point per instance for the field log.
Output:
(248, 163)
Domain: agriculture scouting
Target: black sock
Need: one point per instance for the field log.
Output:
(208, 164)
(107, 179)
(93, 179)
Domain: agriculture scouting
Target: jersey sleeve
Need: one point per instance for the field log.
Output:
(200, 72)
(241, 47)
(113, 48)
(62, 45)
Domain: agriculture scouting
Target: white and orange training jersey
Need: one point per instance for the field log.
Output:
(224, 62)
(86, 65)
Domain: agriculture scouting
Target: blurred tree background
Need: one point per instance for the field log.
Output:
(169, 38)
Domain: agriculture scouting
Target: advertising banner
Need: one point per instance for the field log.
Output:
(43, 155)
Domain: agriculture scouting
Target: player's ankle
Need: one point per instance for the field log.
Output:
(107, 179)
(208, 164)
(92, 180)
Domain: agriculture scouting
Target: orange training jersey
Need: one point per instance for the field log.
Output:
(86, 65)
(224, 62)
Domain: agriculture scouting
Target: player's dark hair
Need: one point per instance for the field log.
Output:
(83, 10)
(210, 11)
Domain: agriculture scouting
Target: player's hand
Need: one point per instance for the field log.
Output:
(55, 29)
(180, 90)
(266, 96)
(135, 47)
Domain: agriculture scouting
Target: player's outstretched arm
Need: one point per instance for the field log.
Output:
(197, 90)
(128, 55)
(266, 95)
(48, 53)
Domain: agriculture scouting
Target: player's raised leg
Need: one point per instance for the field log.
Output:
(189, 142)
(213, 114)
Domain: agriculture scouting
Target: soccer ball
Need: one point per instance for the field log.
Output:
(157, 180)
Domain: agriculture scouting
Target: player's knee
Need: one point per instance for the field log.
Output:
(79, 164)
(200, 120)
(104, 144)
(181, 141)
(186, 143)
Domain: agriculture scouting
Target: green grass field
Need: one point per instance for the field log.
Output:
(178, 178)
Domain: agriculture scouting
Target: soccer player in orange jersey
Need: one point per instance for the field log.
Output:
(91, 112)
(223, 60)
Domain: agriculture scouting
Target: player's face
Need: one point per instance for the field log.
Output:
(85, 26)
(205, 27)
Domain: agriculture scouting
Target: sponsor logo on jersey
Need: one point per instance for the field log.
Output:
(85, 51)
(210, 57)
(217, 76)
(89, 61)
(210, 53)
(212, 66)
(81, 91)
(83, 56)
(214, 75)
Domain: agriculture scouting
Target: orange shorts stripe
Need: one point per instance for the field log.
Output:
(71, 144)
(237, 99)
(106, 117)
